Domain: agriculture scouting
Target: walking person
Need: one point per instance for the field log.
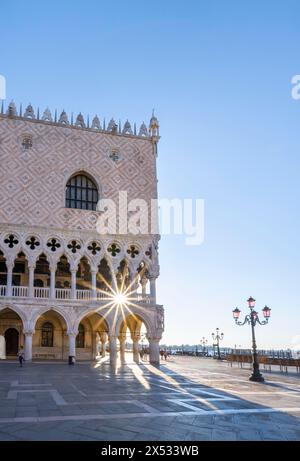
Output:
(21, 356)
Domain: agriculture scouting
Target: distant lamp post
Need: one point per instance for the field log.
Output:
(252, 319)
(203, 343)
(218, 337)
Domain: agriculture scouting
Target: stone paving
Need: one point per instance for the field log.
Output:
(187, 398)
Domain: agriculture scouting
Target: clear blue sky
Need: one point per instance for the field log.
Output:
(218, 74)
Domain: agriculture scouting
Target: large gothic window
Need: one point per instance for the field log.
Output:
(47, 334)
(81, 193)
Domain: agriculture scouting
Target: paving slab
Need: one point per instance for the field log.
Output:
(186, 398)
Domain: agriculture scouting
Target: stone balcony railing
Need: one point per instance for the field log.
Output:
(65, 294)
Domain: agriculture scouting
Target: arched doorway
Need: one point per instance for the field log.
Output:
(12, 341)
(91, 340)
(50, 340)
(11, 332)
(133, 338)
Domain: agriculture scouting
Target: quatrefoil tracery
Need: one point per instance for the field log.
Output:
(32, 242)
(74, 246)
(53, 244)
(94, 248)
(113, 249)
(133, 251)
(11, 241)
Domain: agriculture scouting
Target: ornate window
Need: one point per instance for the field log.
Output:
(80, 336)
(27, 142)
(81, 193)
(47, 334)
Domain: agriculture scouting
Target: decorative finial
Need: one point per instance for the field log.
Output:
(127, 128)
(80, 121)
(47, 117)
(29, 112)
(96, 123)
(63, 119)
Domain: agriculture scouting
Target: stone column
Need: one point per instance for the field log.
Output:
(122, 340)
(113, 349)
(144, 283)
(73, 283)
(9, 279)
(103, 338)
(135, 348)
(94, 345)
(31, 281)
(72, 343)
(28, 344)
(52, 282)
(94, 284)
(154, 350)
(153, 289)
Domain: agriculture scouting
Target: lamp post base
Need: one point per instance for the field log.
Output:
(257, 377)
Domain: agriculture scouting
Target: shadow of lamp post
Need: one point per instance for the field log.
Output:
(218, 337)
(252, 319)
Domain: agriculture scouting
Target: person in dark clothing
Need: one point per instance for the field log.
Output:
(21, 356)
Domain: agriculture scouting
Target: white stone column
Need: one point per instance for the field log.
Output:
(153, 289)
(122, 340)
(135, 348)
(94, 284)
(113, 349)
(103, 338)
(28, 344)
(52, 282)
(31, 281)
(73, 283)
(9, 279)
(72, 343)
(154, 350)
(144, 283)
(94, 345)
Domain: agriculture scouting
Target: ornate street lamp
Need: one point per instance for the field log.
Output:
(218, 337)
(203, 342)
(252, 319)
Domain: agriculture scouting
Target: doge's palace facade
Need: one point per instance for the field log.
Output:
(66, 289)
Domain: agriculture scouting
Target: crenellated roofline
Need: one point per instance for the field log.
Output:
(96, 126)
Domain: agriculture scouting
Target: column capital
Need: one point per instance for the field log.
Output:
(135, 337)
(72, 333)
(153, 339)
(28, 332)
(9, 265)
(122, 337)
(112, 337)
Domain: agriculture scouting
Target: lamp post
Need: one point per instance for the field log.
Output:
(252, 319)
(203, 342)
(218, 337)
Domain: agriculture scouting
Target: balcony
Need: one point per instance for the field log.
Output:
(65, 294)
